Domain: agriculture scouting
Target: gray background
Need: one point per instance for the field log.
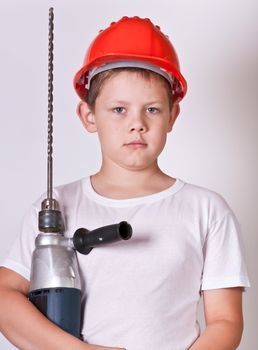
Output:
(214, 143)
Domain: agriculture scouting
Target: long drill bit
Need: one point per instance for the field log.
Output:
(50, 218)
(50, 106)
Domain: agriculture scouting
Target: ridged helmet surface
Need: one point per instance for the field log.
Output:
(134, 39)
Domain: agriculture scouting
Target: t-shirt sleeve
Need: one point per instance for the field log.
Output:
(19, 257)
(223, 251)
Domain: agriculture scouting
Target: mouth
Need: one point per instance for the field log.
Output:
(136, 144)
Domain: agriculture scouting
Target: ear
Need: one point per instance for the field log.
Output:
(173, 116)
(86, 116)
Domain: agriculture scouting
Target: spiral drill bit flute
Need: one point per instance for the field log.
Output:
(55, 286)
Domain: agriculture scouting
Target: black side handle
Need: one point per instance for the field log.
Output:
(84, 240)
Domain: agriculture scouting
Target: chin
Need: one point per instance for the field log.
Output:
(137, 166)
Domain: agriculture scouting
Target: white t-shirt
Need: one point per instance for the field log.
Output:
(143, 293)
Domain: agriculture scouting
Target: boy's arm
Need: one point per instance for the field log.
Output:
(25, 326)
(224, 320)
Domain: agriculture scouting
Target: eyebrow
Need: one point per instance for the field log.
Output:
(117, 102)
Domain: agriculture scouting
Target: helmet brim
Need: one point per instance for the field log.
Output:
(80, 79)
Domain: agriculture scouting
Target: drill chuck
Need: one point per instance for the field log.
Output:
(50, 217)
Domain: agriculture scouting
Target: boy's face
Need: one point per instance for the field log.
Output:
(132, 118)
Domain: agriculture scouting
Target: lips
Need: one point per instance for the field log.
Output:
(136, 144)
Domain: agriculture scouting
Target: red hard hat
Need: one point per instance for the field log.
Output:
(137, 40)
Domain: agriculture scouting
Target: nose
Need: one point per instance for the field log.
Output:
(137, 123)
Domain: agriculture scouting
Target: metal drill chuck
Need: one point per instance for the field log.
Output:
(50, 217)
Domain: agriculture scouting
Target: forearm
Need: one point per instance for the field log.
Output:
(28, 329)
(222, 335)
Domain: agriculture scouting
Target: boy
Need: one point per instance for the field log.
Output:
(142, 294)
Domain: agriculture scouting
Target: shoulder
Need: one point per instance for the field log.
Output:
(204, 201)
(69, 189)
(64, 193)
(202, 194)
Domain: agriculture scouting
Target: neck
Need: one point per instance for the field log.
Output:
(117, 182)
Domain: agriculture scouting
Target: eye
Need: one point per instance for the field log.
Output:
(153, 110)
(119, 110)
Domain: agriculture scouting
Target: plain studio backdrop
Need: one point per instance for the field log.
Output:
(214, 142)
